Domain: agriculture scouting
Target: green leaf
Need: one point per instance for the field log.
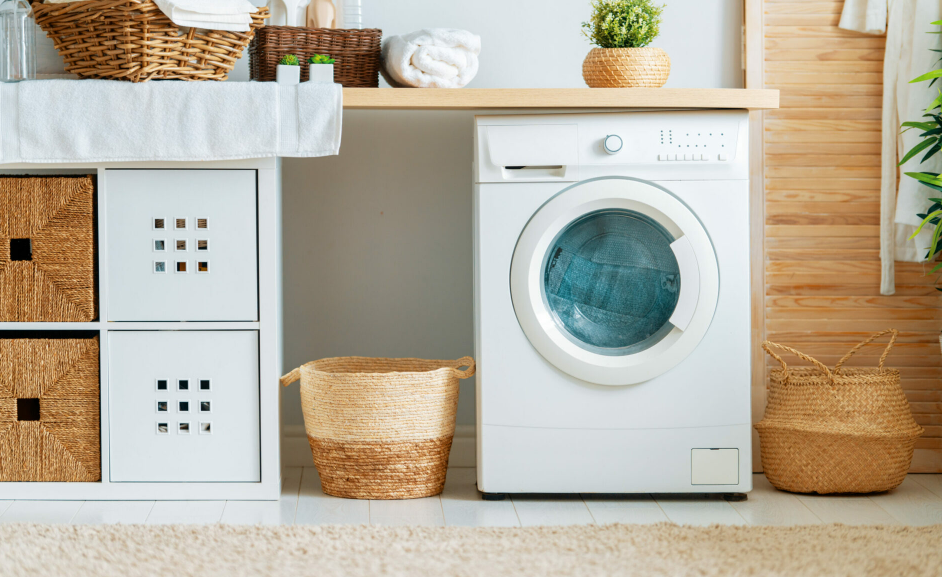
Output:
(931, 153)
(927, 177)
(917, 149)
(925, 222)
(920, 125)
(927, 76)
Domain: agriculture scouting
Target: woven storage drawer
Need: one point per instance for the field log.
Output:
(49, 409)
(841, 430)
(357, 52)
(133, 40)
(47, 249)
(380, 428)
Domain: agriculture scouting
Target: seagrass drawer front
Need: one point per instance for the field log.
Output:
(47, 249)
(49, 409)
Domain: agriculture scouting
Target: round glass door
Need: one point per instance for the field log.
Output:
(612, 281)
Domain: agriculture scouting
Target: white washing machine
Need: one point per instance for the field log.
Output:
(612, 313)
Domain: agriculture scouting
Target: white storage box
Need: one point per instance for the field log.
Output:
(184, 406)
(182, 245)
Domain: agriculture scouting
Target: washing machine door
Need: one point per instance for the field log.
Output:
(614, 281)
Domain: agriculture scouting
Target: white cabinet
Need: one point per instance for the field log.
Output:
(181, 245)
(184, 406)
(190, 360)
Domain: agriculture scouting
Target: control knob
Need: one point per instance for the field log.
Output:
(612, 144)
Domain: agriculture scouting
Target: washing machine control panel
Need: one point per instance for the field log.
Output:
(677, 136)
(698, 144)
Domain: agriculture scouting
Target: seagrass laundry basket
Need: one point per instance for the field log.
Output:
(846, 430)
(49, 409)
(134, 40)
(380, 428)
(47, 249)
(357, 52)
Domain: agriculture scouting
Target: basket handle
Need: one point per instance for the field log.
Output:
(886, 351)
(463, 362)
(290, 377)
(767, 346)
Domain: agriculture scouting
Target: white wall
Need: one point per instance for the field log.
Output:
(377, 250)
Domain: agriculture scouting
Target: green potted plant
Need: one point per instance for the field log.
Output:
(321, 68)
(289, 70)
(931, 143)
(621, 31)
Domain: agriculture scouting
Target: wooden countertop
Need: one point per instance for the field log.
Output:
(555, 98)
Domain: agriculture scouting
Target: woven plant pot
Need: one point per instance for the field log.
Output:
(836, 431)
(133, 40)
(626, 67)
(380, 428)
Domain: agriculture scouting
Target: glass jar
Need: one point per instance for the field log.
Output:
(17, 41)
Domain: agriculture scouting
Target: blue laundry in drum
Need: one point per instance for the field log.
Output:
(612, 281)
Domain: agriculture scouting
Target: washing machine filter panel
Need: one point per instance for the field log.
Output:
(612, 281)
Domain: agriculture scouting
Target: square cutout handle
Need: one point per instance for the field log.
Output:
(21, 249)
(27, 409)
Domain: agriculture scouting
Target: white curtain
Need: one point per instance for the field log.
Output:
(909, 46)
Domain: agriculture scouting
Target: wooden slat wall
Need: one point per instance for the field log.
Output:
(821, 169)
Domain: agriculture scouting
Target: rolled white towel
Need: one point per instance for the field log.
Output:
(431, 58)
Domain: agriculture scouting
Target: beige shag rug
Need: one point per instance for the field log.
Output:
(663, 549)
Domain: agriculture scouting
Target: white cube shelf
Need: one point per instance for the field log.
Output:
(184, 406)
(182, 245)
(221, 324)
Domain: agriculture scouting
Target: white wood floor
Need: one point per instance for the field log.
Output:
(918, 501)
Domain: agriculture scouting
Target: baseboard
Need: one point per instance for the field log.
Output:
(295, 451)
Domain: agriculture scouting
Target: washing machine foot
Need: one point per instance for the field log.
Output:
(735, 496)
(493, 496)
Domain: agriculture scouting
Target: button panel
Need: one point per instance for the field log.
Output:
(688, 157)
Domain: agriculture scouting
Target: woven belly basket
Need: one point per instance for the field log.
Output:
(836, 431)
(380, 428)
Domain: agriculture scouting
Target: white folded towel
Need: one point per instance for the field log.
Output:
(433, 57)
(230, 15)
(56, 121)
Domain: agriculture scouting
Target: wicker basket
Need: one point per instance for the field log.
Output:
(47, 249)
(357, 52)
(49, 410)
(380, 428)
(840, 431)
(626, 67)
(133, 40)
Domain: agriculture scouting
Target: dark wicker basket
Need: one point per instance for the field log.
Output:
(357, 52)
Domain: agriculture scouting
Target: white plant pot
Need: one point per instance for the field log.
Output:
(322, 73)
(288, 74)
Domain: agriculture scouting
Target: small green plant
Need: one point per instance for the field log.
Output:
(321, 59)
(931, 140)
(623, 23)
(290, 60)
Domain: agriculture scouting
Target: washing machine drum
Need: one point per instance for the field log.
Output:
(614, 281)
